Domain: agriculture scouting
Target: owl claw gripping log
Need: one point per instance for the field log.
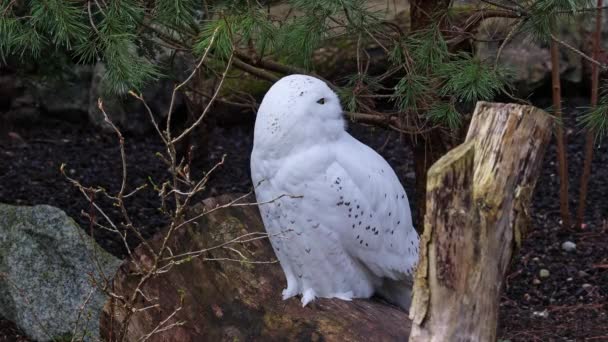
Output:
(347, 231)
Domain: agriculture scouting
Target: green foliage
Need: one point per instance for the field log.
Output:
(63, 20)
(217, 32)
(468, 79)
(428, 49)
(357, 84)
(412, 92)
(445, 113)
(301, 37)
(426, 78)
(596, 118)
(543, 16)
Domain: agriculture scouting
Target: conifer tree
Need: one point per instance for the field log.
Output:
(430, 73)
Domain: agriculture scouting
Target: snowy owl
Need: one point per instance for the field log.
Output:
(338, 218)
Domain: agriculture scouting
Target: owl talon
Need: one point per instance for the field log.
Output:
(308, 296)
(288, 293)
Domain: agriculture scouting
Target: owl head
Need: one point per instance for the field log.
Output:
(298, 110)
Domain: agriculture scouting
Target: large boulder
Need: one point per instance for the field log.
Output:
(26, 96)
(46, 267)
(528, 61)
(223, 297)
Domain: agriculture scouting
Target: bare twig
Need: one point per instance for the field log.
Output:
(207, 107)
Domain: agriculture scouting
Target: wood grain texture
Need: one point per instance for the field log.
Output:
(477, 200)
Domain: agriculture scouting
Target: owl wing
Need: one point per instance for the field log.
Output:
(350, 189)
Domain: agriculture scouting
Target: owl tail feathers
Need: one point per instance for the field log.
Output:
(397, 292)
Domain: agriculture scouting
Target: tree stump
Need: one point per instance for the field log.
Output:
(477, 200)
(224, 300)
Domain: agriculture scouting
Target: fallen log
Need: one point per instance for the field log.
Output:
(477, 200)
(224, 300)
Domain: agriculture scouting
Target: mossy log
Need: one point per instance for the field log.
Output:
(223, 300)
(477, 200)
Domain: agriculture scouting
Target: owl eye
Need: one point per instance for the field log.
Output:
(321, 100)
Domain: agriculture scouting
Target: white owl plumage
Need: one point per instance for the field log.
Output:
(337, 216)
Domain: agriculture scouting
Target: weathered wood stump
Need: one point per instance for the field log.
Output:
(477, 200)
(224, 300)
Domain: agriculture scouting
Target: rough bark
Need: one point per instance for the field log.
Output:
(477, 201)
(230, 301)
(430, 147)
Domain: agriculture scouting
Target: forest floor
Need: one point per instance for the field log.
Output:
(570, 303)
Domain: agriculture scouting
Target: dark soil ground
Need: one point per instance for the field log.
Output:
(570, 304)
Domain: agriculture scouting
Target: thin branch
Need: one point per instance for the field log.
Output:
(579, 52)
(175, 89)
(210, 102)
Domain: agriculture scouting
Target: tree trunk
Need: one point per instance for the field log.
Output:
(427, 148)
(424, 13)
(562, 160)
(590, 136)
(477, 201)
(224, 299)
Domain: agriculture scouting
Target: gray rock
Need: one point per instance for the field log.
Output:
(66, 98)
(45, 269)
(569, 246)
(528, 61)
(26, 98)
(544, 273)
